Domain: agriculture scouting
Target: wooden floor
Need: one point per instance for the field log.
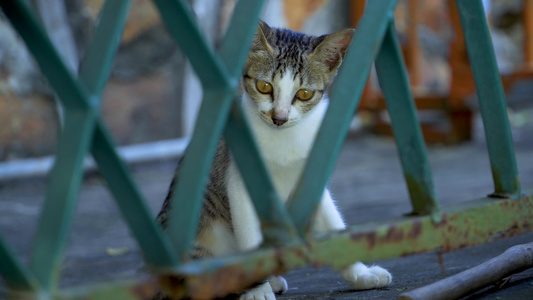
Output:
(367, 184)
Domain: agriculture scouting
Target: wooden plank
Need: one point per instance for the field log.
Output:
(413, 45)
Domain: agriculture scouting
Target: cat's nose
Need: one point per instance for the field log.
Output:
(278, 122)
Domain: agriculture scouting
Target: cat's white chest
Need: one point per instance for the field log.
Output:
(285, 146)
(285, 150)
(285, 177)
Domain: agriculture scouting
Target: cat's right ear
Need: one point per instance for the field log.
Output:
(260, 42)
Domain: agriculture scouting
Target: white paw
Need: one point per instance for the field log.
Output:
(278, 284)
(361, 277)
(261, 292)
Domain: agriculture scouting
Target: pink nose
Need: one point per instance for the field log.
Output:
(278, 122)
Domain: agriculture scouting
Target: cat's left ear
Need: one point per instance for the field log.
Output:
(260, 42)
(332, 48)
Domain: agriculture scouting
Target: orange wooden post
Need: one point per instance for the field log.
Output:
(413, 47)
(368, 98)
(528, 33)
(357, 8)
(462, 83)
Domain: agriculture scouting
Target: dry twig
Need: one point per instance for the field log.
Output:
(514, 260)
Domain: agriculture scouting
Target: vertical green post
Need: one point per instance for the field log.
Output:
(394, 82)
(491, 98)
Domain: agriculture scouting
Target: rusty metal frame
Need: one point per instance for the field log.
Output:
(467, 224)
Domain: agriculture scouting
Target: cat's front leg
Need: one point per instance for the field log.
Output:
(246, 224)
(247, 229)
(358, 275)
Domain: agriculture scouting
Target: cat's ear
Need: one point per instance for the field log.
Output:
(331, 48)
(260, 42)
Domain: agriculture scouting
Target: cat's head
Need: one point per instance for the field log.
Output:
(287, 72)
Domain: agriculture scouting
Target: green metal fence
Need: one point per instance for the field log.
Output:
(287, 243)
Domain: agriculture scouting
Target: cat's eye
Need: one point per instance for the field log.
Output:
(263, 87)
(305, 94)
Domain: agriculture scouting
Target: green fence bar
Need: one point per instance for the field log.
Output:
(234, 48)
(211, 118)
(50, 63)
(394, 82)
(62, 190)
(16, 276)
(94, 73)
(345, 95)
(74, 97)
(65, 180)
(96, 66)
(222, 115)
(189, 190)
(181, 24)
(275, 221)
(54, 222)
(491, 98)
(156, 247)
(276, 225)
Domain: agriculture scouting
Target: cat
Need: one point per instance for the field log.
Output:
(284, 86)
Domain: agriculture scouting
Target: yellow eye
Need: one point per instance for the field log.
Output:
(305, 94)
(263, 87)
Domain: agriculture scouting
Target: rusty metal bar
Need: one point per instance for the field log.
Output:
(467, 224)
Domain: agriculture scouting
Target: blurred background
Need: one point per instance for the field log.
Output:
(153, 94)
